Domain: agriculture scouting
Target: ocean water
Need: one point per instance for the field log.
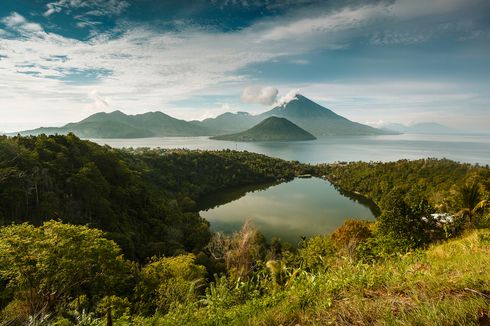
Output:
(461, 148)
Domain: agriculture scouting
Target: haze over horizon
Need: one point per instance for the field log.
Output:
(373, 61)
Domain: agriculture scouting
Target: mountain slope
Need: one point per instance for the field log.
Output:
(229, 122)
(119, 125)
(271, 129)
(319, 120)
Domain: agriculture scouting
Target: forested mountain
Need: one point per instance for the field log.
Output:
(301, 111)
(270, 129)
(143, 198)
(119, 125)
(229, 122)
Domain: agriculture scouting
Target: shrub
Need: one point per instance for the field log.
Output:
(317, 252)
(169, 280)
(349, 235)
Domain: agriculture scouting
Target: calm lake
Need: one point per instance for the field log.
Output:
(302, 207)
(462, 148)
(306, 207)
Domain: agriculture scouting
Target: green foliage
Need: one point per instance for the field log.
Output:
(114, 305)
(168, 281)
(143, 198)
(317, 252)
(349, 235)
(443, 285)
(410, 224)
(364, 273)
(47, 265)
(472, 204)
(434, 179)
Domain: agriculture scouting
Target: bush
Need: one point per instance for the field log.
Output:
(349, 235)
(317, 252)
(167, 281)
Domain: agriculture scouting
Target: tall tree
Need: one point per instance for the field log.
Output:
(51, 264)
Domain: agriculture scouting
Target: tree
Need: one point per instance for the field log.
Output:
(50, 264)
(410, 224)
(472, 201)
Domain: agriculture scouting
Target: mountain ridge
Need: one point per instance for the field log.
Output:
(117, 124)
(301, 111)
(305, 113)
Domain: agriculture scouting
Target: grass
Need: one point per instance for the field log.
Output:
(447, 284)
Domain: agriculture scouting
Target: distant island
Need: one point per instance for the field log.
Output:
(270, 129)
(301, 111)
(422, 128)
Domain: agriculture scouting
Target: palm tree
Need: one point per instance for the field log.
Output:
(472, 201)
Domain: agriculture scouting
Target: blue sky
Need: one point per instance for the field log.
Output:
(373, 62)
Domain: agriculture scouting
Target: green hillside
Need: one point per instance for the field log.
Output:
(119, 125)
(270, 129)
(229, 122)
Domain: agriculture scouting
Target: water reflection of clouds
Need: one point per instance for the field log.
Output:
(303, 207)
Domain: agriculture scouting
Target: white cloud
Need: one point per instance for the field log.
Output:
(14, 20)
(261, 95)
(325, 23)
(288, 97)
(143, 69)
(93, 7)
(18, 23)
(100, 103)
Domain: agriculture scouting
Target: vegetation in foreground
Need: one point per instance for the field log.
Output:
(409, 267)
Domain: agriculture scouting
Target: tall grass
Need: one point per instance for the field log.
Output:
(447, 284)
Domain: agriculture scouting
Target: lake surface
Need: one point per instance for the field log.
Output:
(302, 207)
(462, 148)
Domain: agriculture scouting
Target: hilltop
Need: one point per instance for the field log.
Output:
(270, 129)
(119, 125)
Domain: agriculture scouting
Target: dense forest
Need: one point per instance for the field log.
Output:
(437, 180)
(143, 198)
(97, 236)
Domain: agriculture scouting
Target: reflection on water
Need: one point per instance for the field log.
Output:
(302, 207)
(463, 148)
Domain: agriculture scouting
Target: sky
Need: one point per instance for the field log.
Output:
(374, 62)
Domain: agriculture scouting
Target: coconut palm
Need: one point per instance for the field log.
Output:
(472, 201)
